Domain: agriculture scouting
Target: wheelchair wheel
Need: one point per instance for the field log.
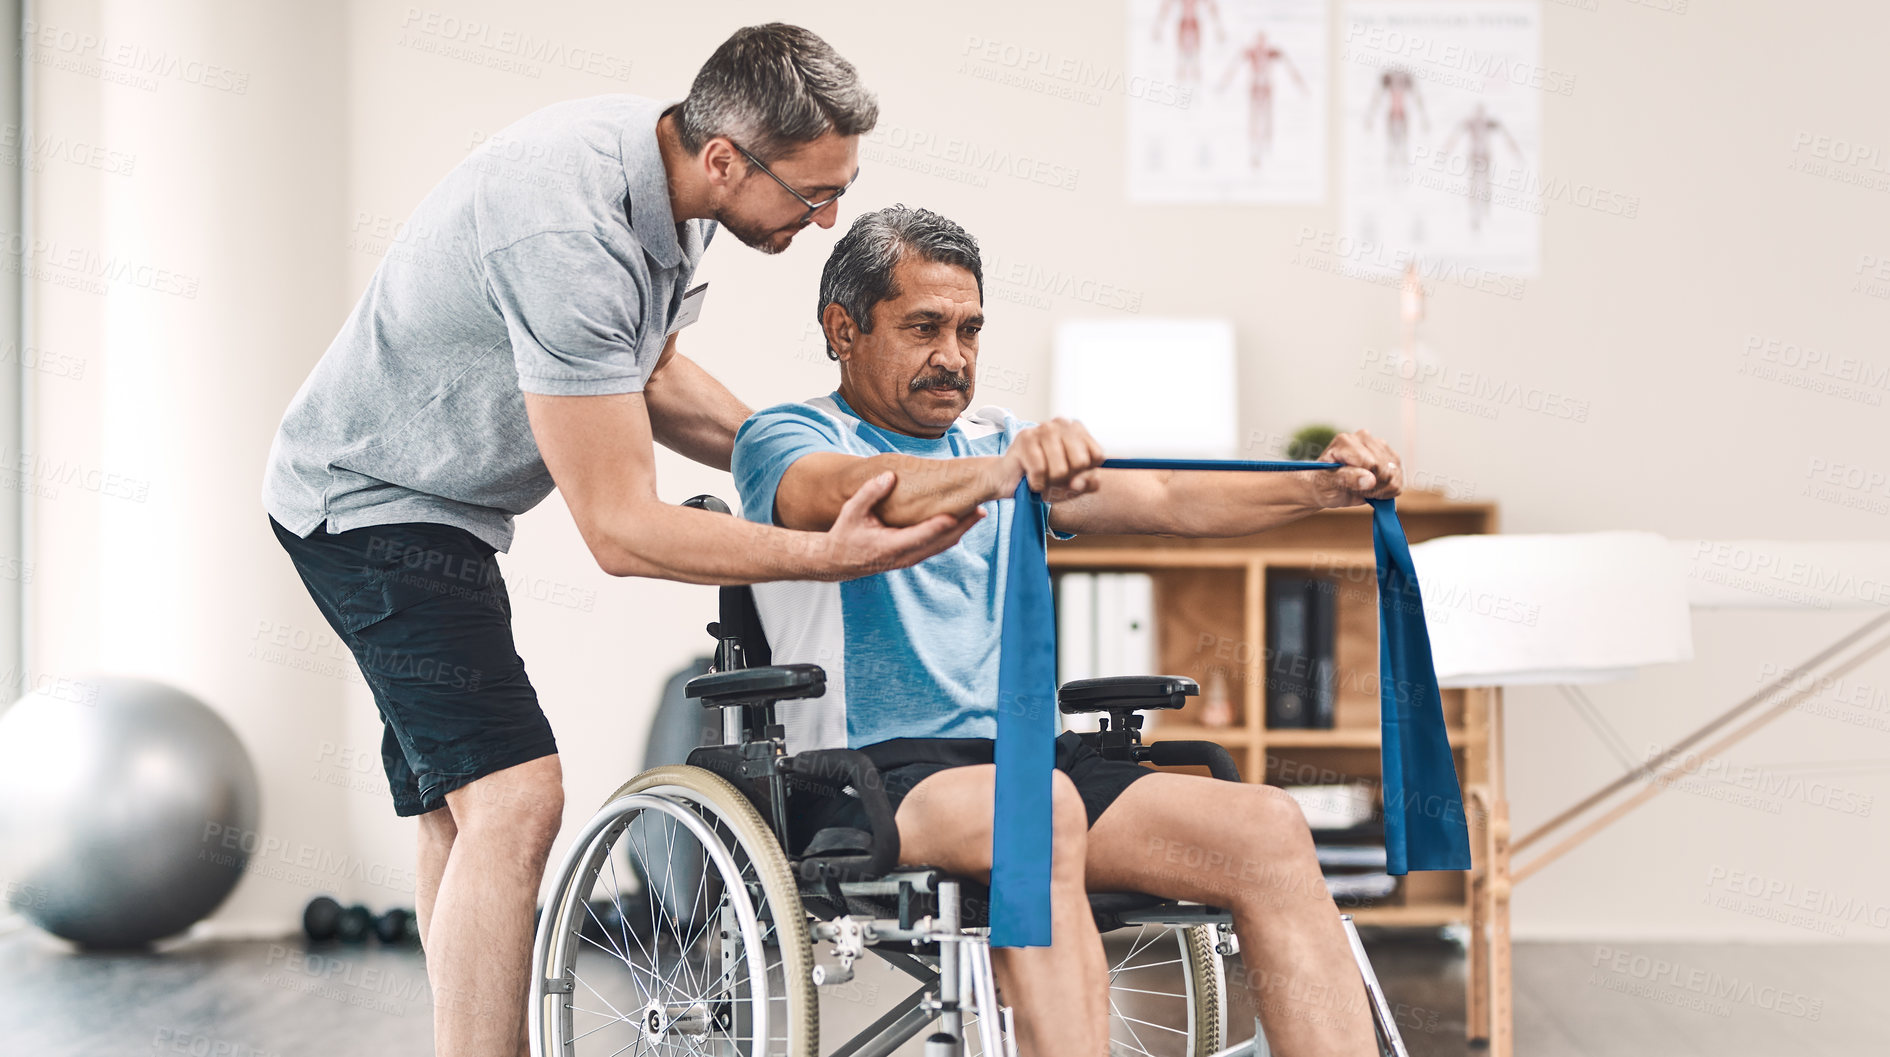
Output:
(674, 928)
(1165, 987)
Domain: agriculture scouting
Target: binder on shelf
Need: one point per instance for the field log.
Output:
(1105, 627)
(1354, 888)
(1301, 631)
(1076, 626)
(1351, 856)
(1076, 638)
(1340, 807)
(1125, 624)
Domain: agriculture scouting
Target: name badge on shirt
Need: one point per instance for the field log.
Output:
(691, 308)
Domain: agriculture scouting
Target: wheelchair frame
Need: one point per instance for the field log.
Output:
(943, 952)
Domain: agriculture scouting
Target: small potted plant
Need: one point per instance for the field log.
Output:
(1309, 442)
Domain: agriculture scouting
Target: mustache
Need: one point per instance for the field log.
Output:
(960, 382)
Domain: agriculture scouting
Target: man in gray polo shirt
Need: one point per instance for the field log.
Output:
(522, 337)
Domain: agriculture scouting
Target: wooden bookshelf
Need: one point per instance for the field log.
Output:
(1210, 616)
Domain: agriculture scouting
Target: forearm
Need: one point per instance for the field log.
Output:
(691, 413)
(1220, 503)
(1197, 503)
(653, 539)
(815, 487)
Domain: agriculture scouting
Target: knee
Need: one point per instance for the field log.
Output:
(542, 811)
(1069, 823)
(527, 808)
(1271, 820)
(1271, 813)
(542, 814)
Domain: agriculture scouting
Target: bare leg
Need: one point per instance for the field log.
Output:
(479, 932)
(436, 843)
(1245, 848)
(946, 822)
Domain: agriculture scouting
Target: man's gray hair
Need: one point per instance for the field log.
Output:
(859, 272)
(771, 89)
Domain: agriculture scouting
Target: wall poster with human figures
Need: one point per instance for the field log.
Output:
(1441, 103)
(1241, 116)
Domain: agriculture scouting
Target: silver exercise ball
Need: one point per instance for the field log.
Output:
(116, 799)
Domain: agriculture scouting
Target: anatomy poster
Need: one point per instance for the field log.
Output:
(1442, 111)
(1232, 106)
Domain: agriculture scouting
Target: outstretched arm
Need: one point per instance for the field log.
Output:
(1059, 457)
(1232, 69)
(1513, 145)
(1217, 503)
(1451, 140)
(1294, 70)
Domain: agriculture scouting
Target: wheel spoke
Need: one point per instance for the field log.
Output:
(685, 962)
(1145, 991)
(660, 910)
(1150, 965)
(600, 1027)
(632, 966)
(1117, 1013)
(623, 917)
(600, 996)
(1149, 1023)
(712, 943)
(614, 949)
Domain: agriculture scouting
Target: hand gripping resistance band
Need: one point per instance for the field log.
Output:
(1423, 804)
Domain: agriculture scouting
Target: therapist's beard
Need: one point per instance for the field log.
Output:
(751, 235)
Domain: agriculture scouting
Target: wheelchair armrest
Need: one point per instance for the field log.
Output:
(757, 686)
(1125, 693)
(836, 768)
(1209, 754)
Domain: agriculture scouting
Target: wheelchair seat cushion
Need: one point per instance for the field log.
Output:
(840, 840)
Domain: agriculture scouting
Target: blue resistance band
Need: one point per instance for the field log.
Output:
(1425, 827)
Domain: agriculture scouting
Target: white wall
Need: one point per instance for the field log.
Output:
(348, 123)
(224, 195)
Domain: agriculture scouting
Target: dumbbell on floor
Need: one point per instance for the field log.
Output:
(396, 926)
(324, 919)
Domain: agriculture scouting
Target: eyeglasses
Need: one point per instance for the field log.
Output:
(812, 207)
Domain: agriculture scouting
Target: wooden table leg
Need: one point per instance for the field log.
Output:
(1477, 972)
(1496, 892)
(1487, 1005)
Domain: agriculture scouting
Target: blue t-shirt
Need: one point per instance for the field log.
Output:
(910, 653)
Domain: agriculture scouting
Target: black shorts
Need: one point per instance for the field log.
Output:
(905, 762)
(424, 611)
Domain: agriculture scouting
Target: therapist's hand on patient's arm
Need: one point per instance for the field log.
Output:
(1371, 471)
(600, 452)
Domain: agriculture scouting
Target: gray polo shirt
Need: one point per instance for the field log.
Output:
(546, 262)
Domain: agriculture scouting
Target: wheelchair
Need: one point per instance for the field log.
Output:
(684, 921)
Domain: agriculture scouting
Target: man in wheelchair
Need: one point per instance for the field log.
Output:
(911, 655)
